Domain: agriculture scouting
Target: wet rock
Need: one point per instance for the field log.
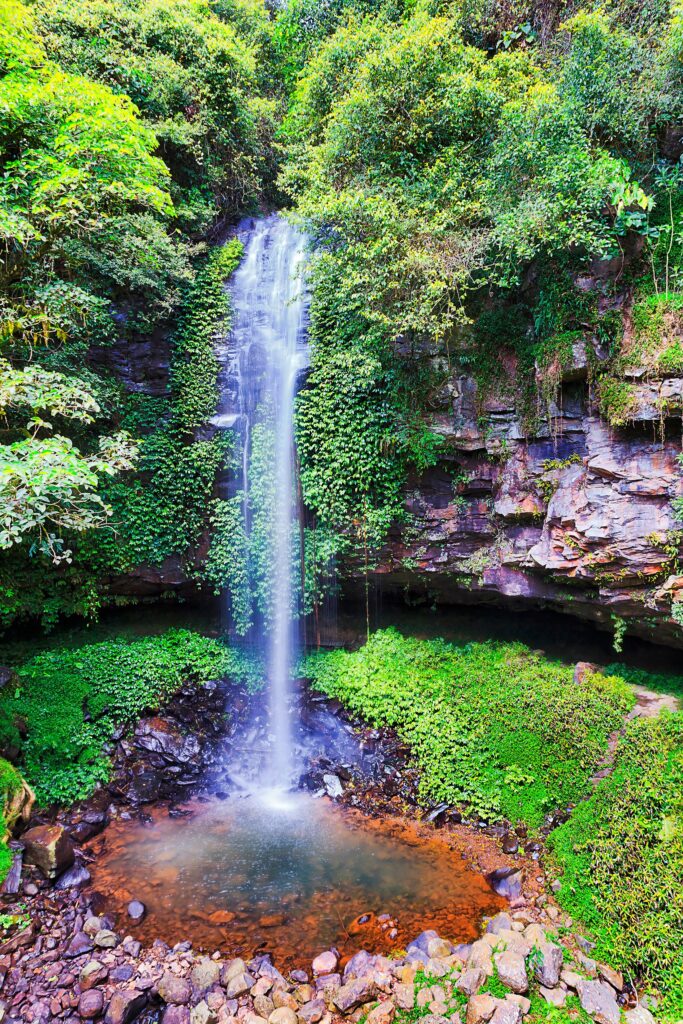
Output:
(49, 847)
(355, 993)
(598, 1000)
(91, 1004)
(136, 910)
(125, 1005)
(481, 1008)
(124, 972)
(174, 990)
(548, 964)
(325, 963)
(512, 971)
(506, 882)
(12, 881)
(333, 786)
(74, 877)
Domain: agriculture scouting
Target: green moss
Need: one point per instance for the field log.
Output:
(72, 700)
(10, 783)
(617, 400)
(494, 728)
(620, 859)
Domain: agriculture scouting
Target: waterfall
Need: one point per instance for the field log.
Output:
(262, 359)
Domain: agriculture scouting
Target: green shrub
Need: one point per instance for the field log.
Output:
(494, 728)
(620, 858)
(70, 702)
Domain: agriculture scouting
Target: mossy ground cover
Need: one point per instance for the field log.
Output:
(620, 859)
(67, 702)
(495, 728)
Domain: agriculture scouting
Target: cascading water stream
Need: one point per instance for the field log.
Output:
(264, 354)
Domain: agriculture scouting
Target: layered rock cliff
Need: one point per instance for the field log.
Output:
(575, 515)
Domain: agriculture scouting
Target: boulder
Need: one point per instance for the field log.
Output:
(639, 1015)
(553, 996)
(383, 1013)
(438, 948)
(204, 974)
(231, 969)
(598, 1000)
(471, 980)
(94, 973)
(325, 963)
(498, 923)
(239, 985)
(174, 990)
(91, 1004)
(74, 877)
(176, 1015)
(50, 848)
(612, 977)
(404, 996)
(136, 910)
(283, 1015)
(355, 993)
(507, 1013)
(125, 1005)
(548, 965)
(106, 939)
(203, 1014)
(481, 1008)
(360, 964)
(312, 1011)
(512, 971)
(480, 956)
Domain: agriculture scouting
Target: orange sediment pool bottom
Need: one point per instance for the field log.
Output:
(252, 875)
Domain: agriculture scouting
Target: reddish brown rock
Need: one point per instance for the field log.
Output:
(50, 848)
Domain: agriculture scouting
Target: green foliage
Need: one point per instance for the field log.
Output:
(494, 728)
(10, 783)
(194, 372)
(72, 700)
(191, 71)
(620, 857)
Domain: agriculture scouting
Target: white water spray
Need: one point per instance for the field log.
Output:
(265, 353)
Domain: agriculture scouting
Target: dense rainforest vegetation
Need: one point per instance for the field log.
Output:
(484, 184)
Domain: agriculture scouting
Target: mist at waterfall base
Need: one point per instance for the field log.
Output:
(258, 864)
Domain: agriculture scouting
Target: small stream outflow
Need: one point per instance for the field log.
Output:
(262, 359)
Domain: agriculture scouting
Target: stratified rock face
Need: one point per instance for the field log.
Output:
(576, 516)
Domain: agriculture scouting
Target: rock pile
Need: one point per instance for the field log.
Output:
(80, 969)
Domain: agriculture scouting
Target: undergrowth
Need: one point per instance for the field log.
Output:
(68, 702)
(495, 728)
(620, 859)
